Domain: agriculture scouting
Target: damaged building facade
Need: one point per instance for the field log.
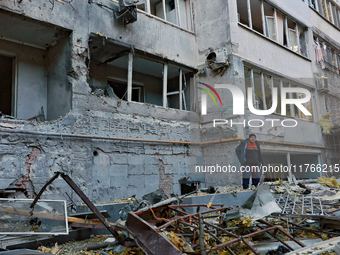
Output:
(116, 103)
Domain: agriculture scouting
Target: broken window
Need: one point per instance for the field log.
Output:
(263, 84)
(255, 7)
(146, 80)
(306, 169)
(119, 87)
(49, 217)
(6, 84)
(303, 41)
(275, 160)
(242, 10)
(267, 20)
(268, 85)
(289, 95)
(290, 159)
(292, 34)
(118, 73)
(175, 11)
(277, 85)
(33, 70)
(177, 88)
(312, 3)
(258, 104)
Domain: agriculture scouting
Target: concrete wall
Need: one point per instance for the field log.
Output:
(59, 90)
(108, 169)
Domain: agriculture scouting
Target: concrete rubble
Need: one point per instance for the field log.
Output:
(119, 121)
(268, 222)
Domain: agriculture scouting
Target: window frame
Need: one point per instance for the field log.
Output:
(331, 54)
(281, 80)
(276, 29)
(331, 12)
(188, 20)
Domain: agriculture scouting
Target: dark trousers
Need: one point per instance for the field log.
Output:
(254, 173)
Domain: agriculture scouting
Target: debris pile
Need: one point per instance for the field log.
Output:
(277, 218)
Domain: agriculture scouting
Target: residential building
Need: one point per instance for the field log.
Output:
(117, 103)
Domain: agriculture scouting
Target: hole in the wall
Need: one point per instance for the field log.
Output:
(95, 153)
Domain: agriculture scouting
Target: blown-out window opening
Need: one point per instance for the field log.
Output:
(265, 19)
(263, 84)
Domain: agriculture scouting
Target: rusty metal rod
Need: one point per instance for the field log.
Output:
(56, 175)
(86, 200)
(223, 245)
(191, 215)
(94, 209)
(246, 242)
(221, 229)
(201, 238)
(283, 232)
(279, 239)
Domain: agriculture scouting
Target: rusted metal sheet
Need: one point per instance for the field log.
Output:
(152, 242)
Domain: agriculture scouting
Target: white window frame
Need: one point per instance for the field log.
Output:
(292, 110)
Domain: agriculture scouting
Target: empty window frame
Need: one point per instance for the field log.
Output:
(267, 20)
(175, 11)
(328, 10)
(286, 159)
(177, 88)
(139, 79)
(263, 85)
(119, 88)
(7, 81)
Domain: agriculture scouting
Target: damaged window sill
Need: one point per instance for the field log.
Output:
(156, 106)
(270, 40)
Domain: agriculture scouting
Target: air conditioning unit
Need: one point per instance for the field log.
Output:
(127, 12)
(322, 84)
(217, 59)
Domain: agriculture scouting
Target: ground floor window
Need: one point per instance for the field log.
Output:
(299, 163)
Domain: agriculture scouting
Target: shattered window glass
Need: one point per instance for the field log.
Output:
(49, 216)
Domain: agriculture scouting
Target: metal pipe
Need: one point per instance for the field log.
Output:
(151, 141)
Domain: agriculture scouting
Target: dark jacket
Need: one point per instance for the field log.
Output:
(241, 151)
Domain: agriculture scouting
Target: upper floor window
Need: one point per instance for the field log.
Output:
(137, 76)
(267, 20)
(326, 55)
(327, 9)
(263, 83)
(177, 12)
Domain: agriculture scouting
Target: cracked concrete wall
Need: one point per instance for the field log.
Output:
(108, 169)
(104, 169)
(58, 87)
